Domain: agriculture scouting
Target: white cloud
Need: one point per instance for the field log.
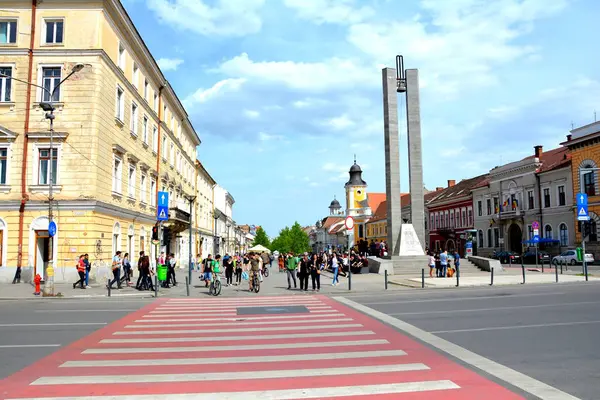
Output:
(226, 18)
(169, 64)
(333, 167)
(252, 114)
(333, 73)
(265, 137)
(203, 95)
(330, 11)
(339, 123)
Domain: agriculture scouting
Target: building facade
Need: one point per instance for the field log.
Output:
(224, 237)
(205, 186)
(120, 135)
(537, 188)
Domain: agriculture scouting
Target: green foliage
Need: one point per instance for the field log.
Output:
(261, 238)
(292, 239)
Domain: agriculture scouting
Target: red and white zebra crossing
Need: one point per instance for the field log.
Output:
(204, 349)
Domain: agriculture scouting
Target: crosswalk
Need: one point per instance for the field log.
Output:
(250, 348)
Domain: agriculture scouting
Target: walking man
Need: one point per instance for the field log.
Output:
(291, 265)
(116, 269)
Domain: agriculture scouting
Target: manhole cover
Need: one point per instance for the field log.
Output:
(272, 310)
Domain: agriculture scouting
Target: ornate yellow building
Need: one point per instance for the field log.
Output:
(121, 134)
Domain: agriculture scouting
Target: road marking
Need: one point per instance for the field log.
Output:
(19, 346)
(308, 393)
(230, 308)
(506, 374)
(234, 306)
(215, 314)
(238, 318)
(500, 328)
(262, 329)
(495, 308)
(462, 298)
(258, 323)
(226, 376)
(212, 312)
(142, 362)
(86, 311)
(57, 324)
(252, 338)
(298, 345)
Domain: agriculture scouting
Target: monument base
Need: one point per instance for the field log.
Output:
(410, 261)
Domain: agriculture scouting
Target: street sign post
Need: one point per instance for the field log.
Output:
(52, 228)
(162, 211)
(535, 225)
(582, 207)
(349, 222)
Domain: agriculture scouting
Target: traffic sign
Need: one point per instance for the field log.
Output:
(535, 225)
(536, 232)
(536, 238)
(582, 207)
(162, 211)
(52, 228)
(349, 223)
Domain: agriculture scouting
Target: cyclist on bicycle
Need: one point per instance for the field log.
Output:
(255, 267)
(216, 268)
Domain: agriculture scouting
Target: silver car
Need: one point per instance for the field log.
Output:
(570, 257)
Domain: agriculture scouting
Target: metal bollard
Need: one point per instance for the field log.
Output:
(349, 280)
(523, 268)
(187, 286)
(586, 272)
(556, 272)
(492, 272)
(457, 276)
(386, 279)
(561, 267)
(108, 286)
(542, 266)
(155, 285)
(422, 278)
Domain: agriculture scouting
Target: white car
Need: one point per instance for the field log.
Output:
(570, 257)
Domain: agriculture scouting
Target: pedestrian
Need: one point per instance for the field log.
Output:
(117, 262)
(280, 262)
(17, 278)
(126, 270)
(88, 268)
(81, 272)
(206, 269)
(304, 272)
(198, 262)
(237, 265)
(456, 261)
(255, 267)
(141, 279)
(291, 265)
(431, 264)
(334, 268)
(315, 272)
(443, 264)
(171, 263)
(228, 263)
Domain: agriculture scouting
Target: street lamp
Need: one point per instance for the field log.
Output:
(48, 107)
(191, 199)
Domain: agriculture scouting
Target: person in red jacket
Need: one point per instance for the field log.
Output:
(81, 272)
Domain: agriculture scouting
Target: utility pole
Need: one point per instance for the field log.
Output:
(191, 199)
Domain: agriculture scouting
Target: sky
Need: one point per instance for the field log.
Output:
(284, 93)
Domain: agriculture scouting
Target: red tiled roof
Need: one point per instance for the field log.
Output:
(460, 189)
(554, 159)
(381, 212)
(375, 199)
(328, 221)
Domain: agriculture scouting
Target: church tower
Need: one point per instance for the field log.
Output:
(356, 192)
(335, 208)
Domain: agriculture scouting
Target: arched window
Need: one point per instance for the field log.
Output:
(564, 235)
(548, 231)
(480, 239)
(116, 239)
(588, 180)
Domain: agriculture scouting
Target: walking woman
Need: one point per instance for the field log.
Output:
(304, 272)
(315, 272)
(228, 261)
(237, 265)
(334, 267)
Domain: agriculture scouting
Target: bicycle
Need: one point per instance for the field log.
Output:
(255, 282)
(265, 272)
(215, 285)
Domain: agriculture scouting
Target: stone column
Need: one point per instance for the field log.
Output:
(392, 160)
(415, 156)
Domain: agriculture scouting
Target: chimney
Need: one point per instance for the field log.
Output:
(437, 189)
(451, 182)
(568, 138)
(538, 151)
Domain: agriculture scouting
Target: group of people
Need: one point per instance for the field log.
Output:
(250, 263)
(441, 262)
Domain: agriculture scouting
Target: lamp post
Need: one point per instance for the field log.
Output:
(191, 199)
(48, 107)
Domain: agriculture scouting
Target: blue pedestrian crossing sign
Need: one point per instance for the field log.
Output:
(162, 211)
(536, 239)
(582, 207)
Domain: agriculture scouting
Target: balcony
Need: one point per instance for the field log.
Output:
(511, 213)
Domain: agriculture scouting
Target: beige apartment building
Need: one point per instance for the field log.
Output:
(120, 135)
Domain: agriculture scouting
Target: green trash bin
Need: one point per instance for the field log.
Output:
(161, 272)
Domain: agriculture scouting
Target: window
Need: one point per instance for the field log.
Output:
(131, 175)
(145, 89)
(479, 208)
(480, 239)
(431, 224)
(143, 188)
(50, 81)
(496, 237)
(44, 166)
(145, 129)
(154, 139)
(5, 83)
(489, 238)
(134, 119)
(136, 75)
(54, 31)
(452, 220)
(164, 114)
(548, 231)
(117, 173)
(562, 200)
(121, 57)
(589, 186)
(120, 106)
(164, 148)
(155, 102)
(546, 197)
(496, 206)
(8, 32)
(530, 200)
(470, 222)
(564, 235)
(172, 158)
(3, 165)
(152, 192)
(489, 207)
(178, 161)
(529, 232)
(173, 124)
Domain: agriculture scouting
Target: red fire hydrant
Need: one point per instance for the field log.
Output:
(37, 280)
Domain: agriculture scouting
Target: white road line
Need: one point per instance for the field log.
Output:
(219, 314)
(235, 323)
(232, 308)
(226, 376)
(211, 348)
(57, 324)
(233, 360)
(86, 311)
(515, 378)
(287, 394)
(501, 328)
(245, 300)
(495, 308)
(240, 318)
(244, 304)
(211, 311)
(226, 338)
(20, 346)
(451, 299)
(257, 329)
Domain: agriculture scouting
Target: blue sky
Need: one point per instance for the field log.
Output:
(284, 92)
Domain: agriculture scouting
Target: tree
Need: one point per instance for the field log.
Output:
(261, 238)
(292, 239)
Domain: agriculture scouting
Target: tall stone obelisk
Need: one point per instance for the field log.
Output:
(392, 161)
(415, 154)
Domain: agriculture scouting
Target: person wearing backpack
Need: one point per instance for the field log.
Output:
(117, 261)
(81, 271)
(206, 269)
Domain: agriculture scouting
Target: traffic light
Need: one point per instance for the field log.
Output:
(166, 237)
(587, 229)
(155, 232)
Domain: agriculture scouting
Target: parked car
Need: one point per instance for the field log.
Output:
(570, 257)
(529, 257)
(508, 257)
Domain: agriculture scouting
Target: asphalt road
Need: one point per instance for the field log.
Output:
(31, 330)
(549, 332)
